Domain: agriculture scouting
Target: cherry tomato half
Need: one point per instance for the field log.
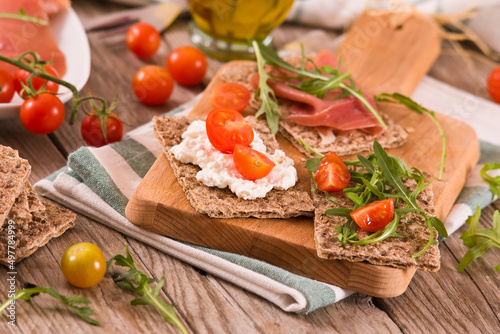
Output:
(143, 39)
(230, 95)
(226, 128)
(83, 265)
(375, 216)
(91, 130)
(493, 84)
(152, 85)
(37, 82)
(6, 86)
(332, 173)
(252, 164)
(187, 65)
(42, 114)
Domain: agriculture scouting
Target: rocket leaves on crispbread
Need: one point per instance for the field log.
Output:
(380, 176)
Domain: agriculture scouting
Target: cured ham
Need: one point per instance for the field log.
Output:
(17, 36)
(341, 114)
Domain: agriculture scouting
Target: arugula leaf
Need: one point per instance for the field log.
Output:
(150, 295)
(412, 105)
(315, 83)
(81, 311)
(479, 240)
(493, 181)
(269, 106)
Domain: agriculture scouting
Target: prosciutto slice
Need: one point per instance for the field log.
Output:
(17, 37)
(341, 114)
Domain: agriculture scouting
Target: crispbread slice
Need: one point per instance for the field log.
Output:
(395, 252)
(41, 226)
(14, 172)
(346, 143)
(222, 203)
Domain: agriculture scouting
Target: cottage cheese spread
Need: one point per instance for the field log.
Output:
(218, 169)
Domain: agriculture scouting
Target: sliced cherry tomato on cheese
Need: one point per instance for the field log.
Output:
(375, 216)
(230, 95)
(226, 128)
(252, 164)
(332, 173)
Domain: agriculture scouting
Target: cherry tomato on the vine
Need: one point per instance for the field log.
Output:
(230, 95)
(187, 65)
(83, 265)
(252, 164)
(42, 114)
(152, 85)
(332, 173)
(37, 82)
(226, 128)
(143, 39)
(374, 216)
(91, 130)
(493, 84)
(6, 86)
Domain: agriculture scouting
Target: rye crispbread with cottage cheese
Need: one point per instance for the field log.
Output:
(222, 203)
(33, 222)
(395, 252)
(345, 143)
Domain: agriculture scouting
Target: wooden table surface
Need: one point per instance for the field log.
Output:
(445, 301)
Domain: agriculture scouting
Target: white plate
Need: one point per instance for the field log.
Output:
(72, 40)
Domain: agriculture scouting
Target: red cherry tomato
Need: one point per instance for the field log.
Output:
(375, 216)
(83, 265)
(230, 95)
(152, 85)
(37, 82)
(226, 128)
(42, 114)
(187, 65)
(6, 86)
(332, 173)
(143, 40)
(91, 130)
(493, 84)
(252, 164)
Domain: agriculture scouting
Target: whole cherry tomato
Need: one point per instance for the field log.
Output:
(332, 173)
(91, 130)
(230, 95)
(42, 114)
(187, 65)
(37, 82)
(252, 164)
(143, 40)
(152, 85)
(375, 216)
(6, 86)
(83, 265)
(226, 128)
(493, 84)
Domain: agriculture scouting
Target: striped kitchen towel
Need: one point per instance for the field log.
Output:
(99, 181)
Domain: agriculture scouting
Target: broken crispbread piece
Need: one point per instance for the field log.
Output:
(44, 222)
(222, 203)
(14, 172)
(393, 251)
(344, 143)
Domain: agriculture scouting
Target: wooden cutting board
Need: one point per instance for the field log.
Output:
(387, 52)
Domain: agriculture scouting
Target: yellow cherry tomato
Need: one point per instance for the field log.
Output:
(83, 265)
